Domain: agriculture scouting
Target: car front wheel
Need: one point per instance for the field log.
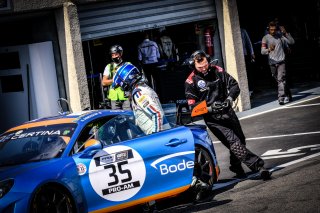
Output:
(52, 199)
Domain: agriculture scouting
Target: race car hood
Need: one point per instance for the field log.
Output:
(42, 168)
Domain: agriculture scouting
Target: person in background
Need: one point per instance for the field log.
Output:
(116, 95)
(275, 44)
(166, 46)
(210, 83)
(148, 55)
(249, 57)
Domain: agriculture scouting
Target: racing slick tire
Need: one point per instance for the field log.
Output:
(204, 168)
(204, 171)
(52, 199)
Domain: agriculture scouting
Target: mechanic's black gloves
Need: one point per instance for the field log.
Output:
(227, 103)
(220, 107)
(216, 107)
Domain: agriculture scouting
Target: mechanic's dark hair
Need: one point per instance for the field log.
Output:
(198, 56)
(272, 24)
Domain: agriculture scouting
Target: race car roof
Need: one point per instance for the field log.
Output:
(65, 118)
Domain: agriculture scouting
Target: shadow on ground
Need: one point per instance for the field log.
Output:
(264, 95)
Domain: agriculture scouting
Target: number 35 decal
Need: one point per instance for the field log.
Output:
(121, 171)
(112, 174)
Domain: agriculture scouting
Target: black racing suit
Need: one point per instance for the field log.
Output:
(216, 86)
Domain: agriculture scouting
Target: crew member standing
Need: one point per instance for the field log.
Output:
(211, 83)
(116, 95)
(148, 54)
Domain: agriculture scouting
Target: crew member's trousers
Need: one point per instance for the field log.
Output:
(226, 127)
(150, 71)
(278, 72)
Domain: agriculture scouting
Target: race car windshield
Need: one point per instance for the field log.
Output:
(117, 129)
(34, 144)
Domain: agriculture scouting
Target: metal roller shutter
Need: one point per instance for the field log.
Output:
(118, 17)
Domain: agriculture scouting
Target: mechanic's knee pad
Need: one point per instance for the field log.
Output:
(239, 150)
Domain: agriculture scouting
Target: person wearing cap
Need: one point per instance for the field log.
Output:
(117, 96)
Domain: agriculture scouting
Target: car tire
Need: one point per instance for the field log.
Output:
(52, 199)
(204, 168)
(204, 171)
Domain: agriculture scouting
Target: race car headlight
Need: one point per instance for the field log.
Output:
(5, 187)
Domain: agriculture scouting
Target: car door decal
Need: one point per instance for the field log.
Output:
(117, 173)
(170, 156)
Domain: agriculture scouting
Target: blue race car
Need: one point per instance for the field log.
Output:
(99, 161)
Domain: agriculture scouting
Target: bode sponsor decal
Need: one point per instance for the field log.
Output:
(168, 166)
(112, 175)
(166, 169)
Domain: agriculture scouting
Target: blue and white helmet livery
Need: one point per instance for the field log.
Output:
(126, 76)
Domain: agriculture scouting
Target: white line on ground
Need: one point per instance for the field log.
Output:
(282, 156)
(294, 162)
(304, 105)
(282, 107)
(280, 136)
(222, 185)
(277, 136)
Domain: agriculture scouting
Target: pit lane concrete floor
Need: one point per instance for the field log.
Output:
(265, 99)
(294, 188)
(264, 120)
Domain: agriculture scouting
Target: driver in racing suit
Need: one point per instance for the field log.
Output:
(211, 83)
(146, 107)
(144, 100)
(145, 104)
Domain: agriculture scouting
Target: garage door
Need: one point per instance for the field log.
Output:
(118, 17)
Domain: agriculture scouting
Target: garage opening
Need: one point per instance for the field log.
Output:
(190, 25)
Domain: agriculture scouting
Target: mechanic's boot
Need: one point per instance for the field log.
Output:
(239, 171)
(265, 174)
